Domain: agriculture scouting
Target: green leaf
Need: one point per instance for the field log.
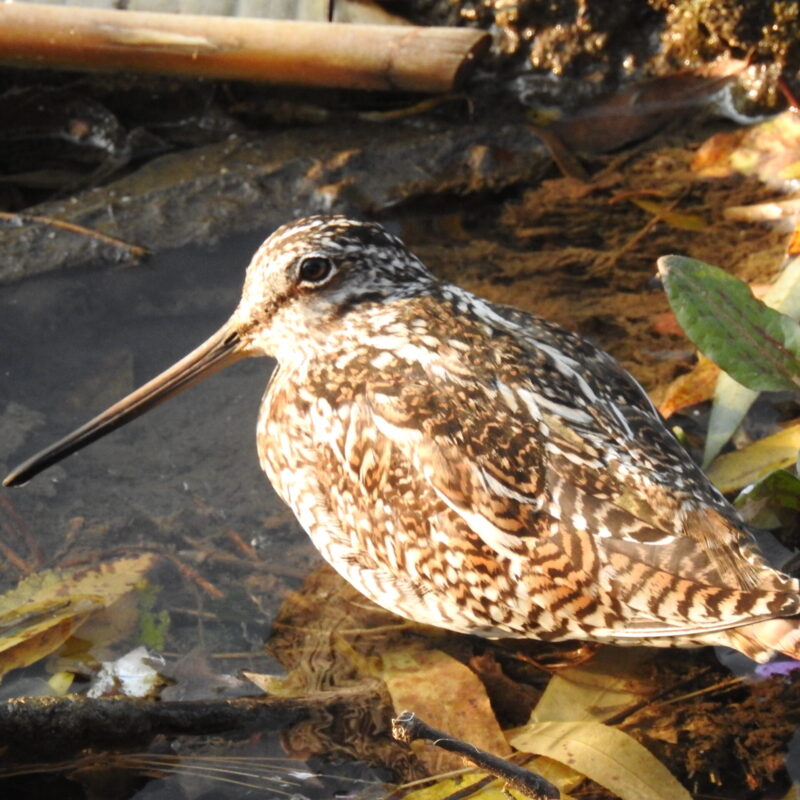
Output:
(732, 401)
(153, 626)
(781, 488)
(755, 345)
(774, 498)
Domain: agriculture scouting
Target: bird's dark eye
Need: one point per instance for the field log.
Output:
(314, 269)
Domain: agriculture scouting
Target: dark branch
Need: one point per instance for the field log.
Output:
(407, 727)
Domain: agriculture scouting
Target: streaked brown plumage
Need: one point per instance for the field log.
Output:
(472, 466)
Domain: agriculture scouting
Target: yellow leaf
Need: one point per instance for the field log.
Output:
(677, 219)
(560, 775)
(607, 755)
(608, 684)
(736, 470)
(770, 150)
(37, 641)
(793, 793)
(614, 680)
(273, 685)
(447, 786)
(61, 682)
(45, 609)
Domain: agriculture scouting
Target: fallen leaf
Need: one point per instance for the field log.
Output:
(691, 388)
(771, 211)
(37, 640)
(734, 471)
(45, 609)
(613, 681)
(793, 248)
(665, 324)
(666, 213)
(642, 109)
(270, 684)
(604, 754)
(793, 793)
(770, 150)
(448, 696)
(444, 788)
(713, 157)
(60, 682)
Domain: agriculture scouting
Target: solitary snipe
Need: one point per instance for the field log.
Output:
(472, 466)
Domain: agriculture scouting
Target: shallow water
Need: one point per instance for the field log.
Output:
(183, 474)
(73, 343)
(76, 342)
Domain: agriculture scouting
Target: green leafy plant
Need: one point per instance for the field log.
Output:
(153, 625)
(756, 345)
(759, 348)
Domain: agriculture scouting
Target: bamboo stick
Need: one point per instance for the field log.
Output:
(384, 57)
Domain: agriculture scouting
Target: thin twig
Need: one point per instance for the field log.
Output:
(21, 527)
(134, 250)
(192, 575)
(720, 686)
(16, 561)
(407, 726)
(234, 536)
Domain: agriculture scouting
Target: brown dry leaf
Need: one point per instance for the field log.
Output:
(734, 471)
(712, 160)
(111, 624)
(42, 611)
(643, 108)
(665, 324)
(695, 386)
(770, 150)
(604, 754)
(793, 248)
(448, 696)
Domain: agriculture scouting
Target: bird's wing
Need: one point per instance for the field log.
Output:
(527, 465)
(646, 471)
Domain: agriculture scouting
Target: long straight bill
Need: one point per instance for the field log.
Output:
(221, 349)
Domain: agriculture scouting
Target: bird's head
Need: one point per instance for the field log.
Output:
(311, 273)
(306, 276)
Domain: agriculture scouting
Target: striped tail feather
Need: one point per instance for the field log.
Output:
(761, 640)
